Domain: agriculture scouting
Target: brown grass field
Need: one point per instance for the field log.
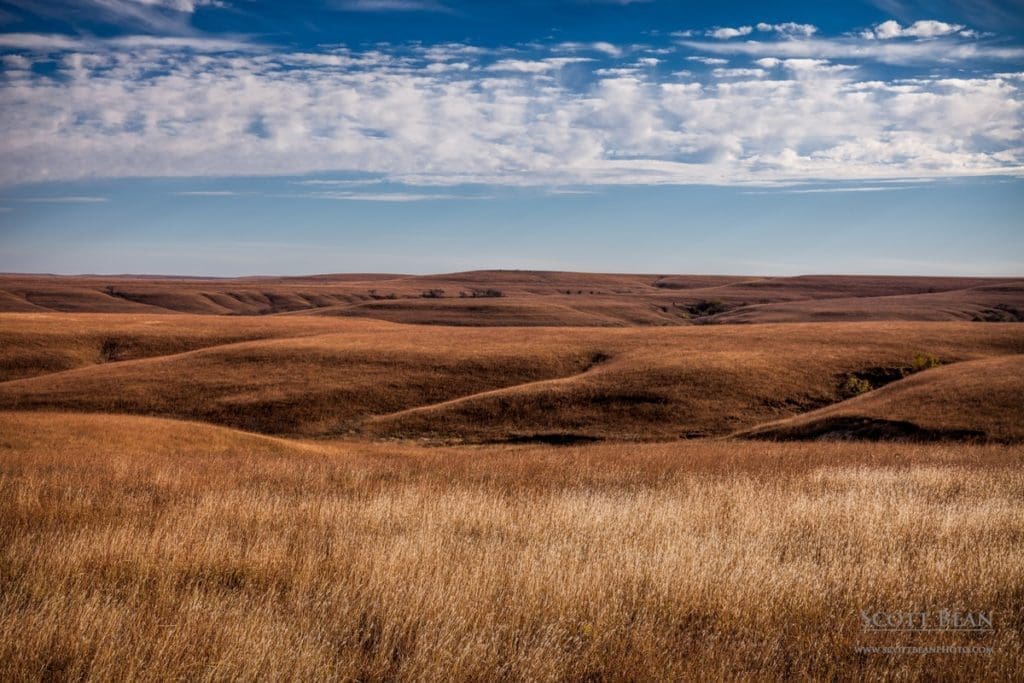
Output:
(533, 298)
(537, 486)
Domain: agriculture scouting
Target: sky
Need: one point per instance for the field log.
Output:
(242, 137)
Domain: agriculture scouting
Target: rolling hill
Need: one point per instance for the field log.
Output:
(532, 298)
(974, 400)
(331, 376)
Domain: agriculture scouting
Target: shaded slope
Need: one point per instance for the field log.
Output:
(309, 385)
(69, 298)
(40, 343)
(999, 303)
(549, 311)
(980, 399)
(495, 384)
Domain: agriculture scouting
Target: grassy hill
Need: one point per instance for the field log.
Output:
(533, 298)
(340, 376)
(974, 400)
(41, 343)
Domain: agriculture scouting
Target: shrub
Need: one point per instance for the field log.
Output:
(925, 361)
(433, 294)
(855, 386)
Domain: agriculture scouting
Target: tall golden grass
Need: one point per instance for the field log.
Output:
(137, 548)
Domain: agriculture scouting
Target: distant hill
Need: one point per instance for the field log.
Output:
(532, 298)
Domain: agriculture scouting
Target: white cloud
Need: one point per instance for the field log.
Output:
(188, 6)
(817, 66)
(438, 67)
(919, 29)
(208, 193)
(41, 42)
(347, 182)
(599, 46)
(60, 200)
(16, 62)
(606, 48)
(831, 190)
(528, 66)
(52, 43)
(391, 6)
(739, 73)
(710, 61)
(162, 16)
(398, 197)
(887, 52)
(726, 33)
(789, 28)
(151, 109)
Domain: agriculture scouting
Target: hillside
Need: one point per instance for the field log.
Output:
(532, 298)
(974, 400)
(41, 343)
(328, 377)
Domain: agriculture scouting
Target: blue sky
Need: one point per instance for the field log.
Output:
(231, 137)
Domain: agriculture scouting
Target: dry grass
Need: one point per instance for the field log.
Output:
(38, 343)
(135, 548)
(480, 384)
(533, 298)
(982, 398)
(142, 548)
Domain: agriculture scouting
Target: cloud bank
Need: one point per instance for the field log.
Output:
(791, 109)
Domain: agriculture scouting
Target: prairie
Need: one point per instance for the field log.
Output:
(588, 477)
(533, 298)
(140, 548)
(344, 377)
(40, 343)
(975, 399)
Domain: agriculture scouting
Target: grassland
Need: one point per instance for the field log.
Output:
(311, 493)
(152, 549)
(533, 298)
(346, 377)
